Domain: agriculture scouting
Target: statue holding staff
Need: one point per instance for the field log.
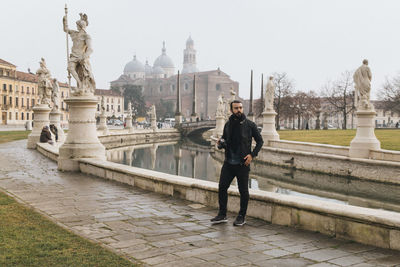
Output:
(269, 94)
(78, 62)
(362, 80)
(103, 105)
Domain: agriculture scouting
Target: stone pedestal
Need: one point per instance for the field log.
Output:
(82, 140)
(178, 119)
(41, 119)
(269, 130)
(55, 116)
(103, 124)
(128, 123)
(365, 138)
(219, 126)
(193, 118)
(29, 125)
(153, 124)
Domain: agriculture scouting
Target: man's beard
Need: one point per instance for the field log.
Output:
(238, 114)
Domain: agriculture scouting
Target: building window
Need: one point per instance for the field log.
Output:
(217, 87)
(22, 116)
(33, 90)
(16, 89)
(4, 87)
(119, 108)
(10, 87)
(98, 107)
(22, 102)
(27, 116)
(4, 100)
(62, 94)
(108, 109)
(16, 101)
(9, 116)
(33, 116)
(33, 103)
(16, 115)
(27, 103)
(10, 101)
(112, 107)
(27, 89)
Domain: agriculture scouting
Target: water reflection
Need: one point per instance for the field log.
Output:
(186, 158)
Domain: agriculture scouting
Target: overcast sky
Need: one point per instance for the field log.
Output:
(313, 41)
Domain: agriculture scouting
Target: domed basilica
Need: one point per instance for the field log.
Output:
(160, 81)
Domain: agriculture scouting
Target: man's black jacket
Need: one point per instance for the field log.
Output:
(248, 130)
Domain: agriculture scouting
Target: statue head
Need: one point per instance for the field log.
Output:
(83, 22)
(42, 63)
(365, 61)
(271, 78)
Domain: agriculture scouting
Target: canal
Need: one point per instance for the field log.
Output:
(194, 158)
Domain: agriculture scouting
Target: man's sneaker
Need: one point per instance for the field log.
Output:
(239, 221)
(219, 219)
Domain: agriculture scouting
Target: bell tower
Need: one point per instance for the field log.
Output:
(189, 57)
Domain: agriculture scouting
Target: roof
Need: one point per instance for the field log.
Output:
(2, 61)
(106, 92)
(27, 77)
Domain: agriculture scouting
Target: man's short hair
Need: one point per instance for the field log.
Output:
(235, 101)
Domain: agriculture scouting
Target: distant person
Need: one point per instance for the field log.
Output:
(45, 135)
(307, 127)
(397, 124)
(236, 139)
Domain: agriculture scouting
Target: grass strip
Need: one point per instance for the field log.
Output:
(389, 138)
(29, 239)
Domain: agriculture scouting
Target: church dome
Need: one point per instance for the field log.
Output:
(163, 61)
(134, 66)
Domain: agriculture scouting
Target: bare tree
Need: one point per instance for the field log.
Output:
(340, 95)
(390, 94)
(283, 91)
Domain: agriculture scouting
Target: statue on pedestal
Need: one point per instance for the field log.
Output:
(130, 108)
(220, 106)
(55, 95)
(153, 112)
(45, 85)
(362, 79)
(102, 105)
(269, 95)
(78, 62)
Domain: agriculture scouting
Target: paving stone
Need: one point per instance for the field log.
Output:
(290, 262)
(277, 252)
(161, 259)
(348, 260)
(324, 254)
(234, 261)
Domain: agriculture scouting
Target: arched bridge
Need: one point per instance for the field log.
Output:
(191, 128)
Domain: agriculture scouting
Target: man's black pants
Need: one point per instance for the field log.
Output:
(228, 172)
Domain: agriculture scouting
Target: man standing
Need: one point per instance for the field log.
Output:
(236, 139)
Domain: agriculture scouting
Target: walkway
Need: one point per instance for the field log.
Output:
(163, 231)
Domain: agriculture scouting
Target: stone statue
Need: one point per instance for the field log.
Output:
(269, 94)
(45, 85)
(233, 94)
(55, 96)
(153, 111)
(130, 108)
(220, 106)
(362, 80)
(103, 105)
(78, 63)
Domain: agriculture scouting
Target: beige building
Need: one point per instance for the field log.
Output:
(113, 101)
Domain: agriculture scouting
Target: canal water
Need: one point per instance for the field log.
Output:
(195, 159)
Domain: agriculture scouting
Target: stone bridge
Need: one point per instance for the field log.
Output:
(190, 128)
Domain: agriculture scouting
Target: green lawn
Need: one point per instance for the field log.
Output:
(8, 136)
(390, 139)
(29, 239)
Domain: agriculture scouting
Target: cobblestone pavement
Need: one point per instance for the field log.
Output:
(163, 231)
